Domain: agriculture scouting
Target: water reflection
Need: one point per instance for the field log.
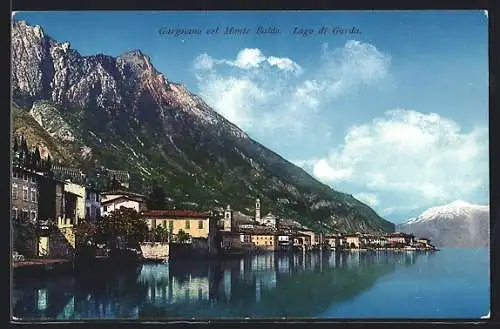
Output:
(265, 285)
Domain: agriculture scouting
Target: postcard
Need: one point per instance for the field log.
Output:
(250, 165)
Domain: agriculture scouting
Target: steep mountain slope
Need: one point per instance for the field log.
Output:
(122, 113)
(456, 224)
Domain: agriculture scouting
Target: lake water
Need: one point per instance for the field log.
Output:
(451, 283)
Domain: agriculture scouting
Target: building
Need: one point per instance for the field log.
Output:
(285, 240)
(196, 224)
(302, 240)
(400, 238)
(313, 238)
(25, 194)
(121, 176)
(353, 240)
(71, 174)
(260, 237)
(74, 196)
(378, 241)
(269, 220)
(334, 241)
(92, 204)
(51, 201)
(423, 241)
(113, 200)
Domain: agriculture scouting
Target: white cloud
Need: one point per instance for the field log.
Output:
(277, 100)
(234, 98)
(422, 156)
(485, 13)
(249, 58)
(285, 64)
(324, 171)
(368, 198)
(204, 62)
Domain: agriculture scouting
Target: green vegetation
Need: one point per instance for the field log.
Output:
(182, 237)
(123, 223)
(195, 171)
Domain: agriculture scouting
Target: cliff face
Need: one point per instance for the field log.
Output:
(122, 113)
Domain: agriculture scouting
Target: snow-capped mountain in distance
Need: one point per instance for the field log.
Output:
(449, 211)
(458, 223)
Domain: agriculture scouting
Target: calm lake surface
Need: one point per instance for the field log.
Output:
(451, 283)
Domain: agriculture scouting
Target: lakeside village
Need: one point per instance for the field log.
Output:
(56, 215)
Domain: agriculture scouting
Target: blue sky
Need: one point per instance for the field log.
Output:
(396, 115)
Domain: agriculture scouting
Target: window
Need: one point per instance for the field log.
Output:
(33, 195)
(171, 225)
(188, 224)
(25, 193)
(14, 191)
(15, 174)
(105, 208)
(33, 215)
(14, 213)
(200, 224)
(164, 224)
(25, 177)
(25, 214)
(33, 180)
(87, 197)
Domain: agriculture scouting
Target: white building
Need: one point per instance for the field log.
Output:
(111, 201)
(269, 220)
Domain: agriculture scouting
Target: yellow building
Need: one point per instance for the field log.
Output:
(77, 191)
(196, 224)
(260, 237)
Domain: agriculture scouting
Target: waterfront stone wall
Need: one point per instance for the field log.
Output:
(155, 250)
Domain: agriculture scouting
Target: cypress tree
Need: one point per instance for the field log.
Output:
(16, 144)
(37, 158)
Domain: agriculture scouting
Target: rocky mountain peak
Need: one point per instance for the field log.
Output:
(124, 114)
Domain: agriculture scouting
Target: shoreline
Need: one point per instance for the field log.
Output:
(53, 267)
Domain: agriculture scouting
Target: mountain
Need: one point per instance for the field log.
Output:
(456, 224)
(120, 112)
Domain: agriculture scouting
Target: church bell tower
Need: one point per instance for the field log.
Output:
(257, 210)
(228, 219)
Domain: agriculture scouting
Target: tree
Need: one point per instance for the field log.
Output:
(160, 234)
(85, 232)
(125, 223)
(182, 237)
(37, 158)
(16, 145)
(156, 198)
(24, 232)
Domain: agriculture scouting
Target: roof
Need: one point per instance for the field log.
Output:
(258, 231)
(175, 214)
(122, 197)
(122, 192)
(399, 235)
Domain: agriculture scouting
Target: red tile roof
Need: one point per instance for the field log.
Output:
(175, 213)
